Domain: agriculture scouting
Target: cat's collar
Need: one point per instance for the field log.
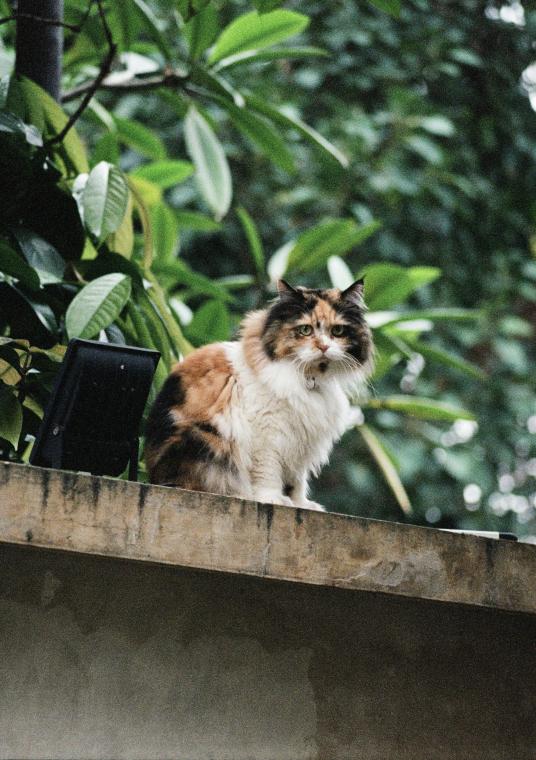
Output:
(310, 382)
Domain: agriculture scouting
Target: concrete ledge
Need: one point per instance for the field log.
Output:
(104, 516)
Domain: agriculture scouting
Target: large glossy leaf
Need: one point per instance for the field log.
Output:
(388, 469)
(12, 264)
(10, 416)
(97, 305)
(40, 255)
(212, 171)
(423, 408)
(105, 200)
(138, 137)
(166, 173)
(254, 240)
(389, 284)
(254, 31)
(13, 125)
(210, 323)
(293, 122)
(262, 134)
(333, 238)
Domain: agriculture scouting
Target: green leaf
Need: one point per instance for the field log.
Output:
(339, 273)
(193, 220)
(151, 27)
(262, 134)
(388, 6)
(379, 319)
(40, 255)
(176, 272)
(201, 31)
(10, 417)
(13, 265)
(140, 138)
(390, 284)
(212, 171)
(254, 31)
(210, 323)
(97, 305)
(54, 119)
(13, 125)
(293, 122)
(275, 54)
(148, 192)
(445, 357)
(105, 200)
(384, 462)
(122, 240)
(165, 174)
(165, 232)
(254, 240)
(425, 148)
(423, 408)
(333, 238)
(438, 125)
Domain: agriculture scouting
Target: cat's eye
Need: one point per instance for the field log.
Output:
(305, 329)
(337, 330)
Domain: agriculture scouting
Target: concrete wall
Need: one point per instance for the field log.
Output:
(108, 658)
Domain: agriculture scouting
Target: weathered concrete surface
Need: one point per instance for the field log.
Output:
(111, 517)
(102, 658)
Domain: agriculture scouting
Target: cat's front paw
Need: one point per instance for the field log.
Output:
(308, 504)
(267, 496)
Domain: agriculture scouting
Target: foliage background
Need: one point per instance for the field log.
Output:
(430, 103)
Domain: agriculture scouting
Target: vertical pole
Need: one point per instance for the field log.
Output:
(39, 47)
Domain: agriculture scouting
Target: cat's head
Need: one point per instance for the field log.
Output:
(321, 331)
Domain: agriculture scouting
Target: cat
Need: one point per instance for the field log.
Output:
(256, 417)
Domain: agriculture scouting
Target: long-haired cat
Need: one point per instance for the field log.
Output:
(256, 417)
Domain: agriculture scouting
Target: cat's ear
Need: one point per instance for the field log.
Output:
(354, 292)
(284, 289)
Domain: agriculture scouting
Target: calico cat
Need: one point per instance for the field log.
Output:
(254, 418)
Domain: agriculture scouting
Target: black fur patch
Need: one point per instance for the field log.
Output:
(207, 428)
(160, 424)
(287, 489)
(289, 308)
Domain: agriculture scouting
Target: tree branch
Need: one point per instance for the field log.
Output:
(169, 78)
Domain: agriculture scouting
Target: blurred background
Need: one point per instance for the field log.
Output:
(320, 141)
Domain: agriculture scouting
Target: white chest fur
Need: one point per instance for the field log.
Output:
(275, 414)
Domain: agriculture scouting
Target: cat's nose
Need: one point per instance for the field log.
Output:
(323, 347)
